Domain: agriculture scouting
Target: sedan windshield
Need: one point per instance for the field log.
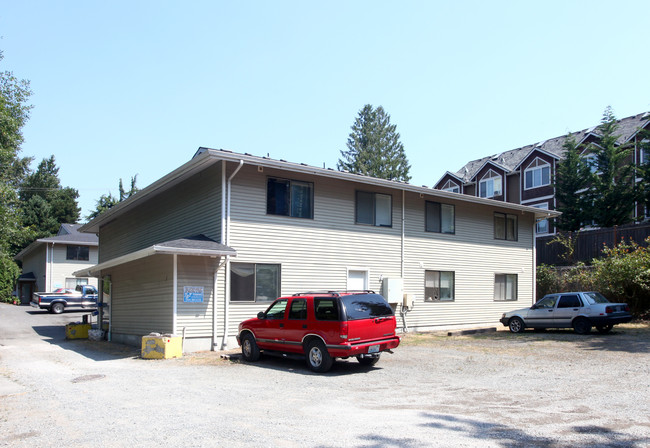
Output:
(595, 297)
(366, 306)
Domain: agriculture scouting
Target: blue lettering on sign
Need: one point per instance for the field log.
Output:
(193, 294)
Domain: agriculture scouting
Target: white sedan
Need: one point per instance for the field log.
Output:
(578, 310)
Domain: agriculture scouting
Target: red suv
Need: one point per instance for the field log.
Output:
(322, 326)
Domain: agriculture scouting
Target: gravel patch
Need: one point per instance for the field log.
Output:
(540, 389)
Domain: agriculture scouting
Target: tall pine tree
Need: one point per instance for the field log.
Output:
(613, 185)
(374, 148)
(571, 181)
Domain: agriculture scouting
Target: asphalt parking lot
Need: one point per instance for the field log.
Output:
(544, 389)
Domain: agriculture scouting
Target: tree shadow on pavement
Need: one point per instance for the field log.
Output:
(511, 437)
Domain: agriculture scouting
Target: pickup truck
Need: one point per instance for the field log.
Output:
(84, 297)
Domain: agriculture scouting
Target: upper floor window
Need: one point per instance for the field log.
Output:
(439, 218)
(592, 162)
(451, 186)
(505, 227)
(542, 225)
(644, 154)
(290, 198)
(490, 185)
(374, 208)
(80, 253)
(538, 174)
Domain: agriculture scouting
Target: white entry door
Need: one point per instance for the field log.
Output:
(357, 280)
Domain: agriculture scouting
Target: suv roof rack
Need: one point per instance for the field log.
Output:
(334, 293)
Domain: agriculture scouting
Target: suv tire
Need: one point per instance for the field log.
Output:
(367, 360)
(318, 359)
(249, 349)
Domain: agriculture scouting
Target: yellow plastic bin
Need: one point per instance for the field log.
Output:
(77, 331)
(162, 347)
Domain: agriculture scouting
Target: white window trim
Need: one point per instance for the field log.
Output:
(451, 186)
(366, 279)
(542, 206)
(490, 176)
(540, 167)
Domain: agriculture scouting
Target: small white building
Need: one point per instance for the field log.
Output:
(49, 263)
(219, 238)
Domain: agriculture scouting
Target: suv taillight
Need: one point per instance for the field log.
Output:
(343, 330)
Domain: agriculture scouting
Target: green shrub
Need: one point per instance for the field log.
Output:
(9, 273)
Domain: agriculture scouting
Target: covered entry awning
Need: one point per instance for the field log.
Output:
(198, 245)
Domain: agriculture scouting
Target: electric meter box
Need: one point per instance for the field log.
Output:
(393, 290)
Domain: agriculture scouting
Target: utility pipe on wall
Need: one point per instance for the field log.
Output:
(224, 342)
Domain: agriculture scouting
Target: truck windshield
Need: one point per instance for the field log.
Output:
(366, 306)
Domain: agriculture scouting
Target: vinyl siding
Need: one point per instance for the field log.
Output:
(475, 257)
(36, 262)
(190, 208)
(195, 317)
(142, 303)
(63, 269)
(315, 253)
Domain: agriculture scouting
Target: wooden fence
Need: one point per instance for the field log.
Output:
(589, 244)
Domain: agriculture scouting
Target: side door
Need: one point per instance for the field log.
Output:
(569, 306)
(89, 298)
(295, 324)
(270, 332)
(540, 315)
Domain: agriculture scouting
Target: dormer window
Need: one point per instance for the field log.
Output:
(538, 174)
(490, 185)
(451, 186)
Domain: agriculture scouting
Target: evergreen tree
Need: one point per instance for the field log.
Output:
(107, 201)
(613, 185)
(573, 175)
(45, 204)
(374, 148)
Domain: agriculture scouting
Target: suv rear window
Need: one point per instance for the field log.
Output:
(365, 306)
(326, 309)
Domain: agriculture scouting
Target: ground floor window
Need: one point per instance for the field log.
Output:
(71, 283)
(254, 282)
(505, 287)
(438, 286)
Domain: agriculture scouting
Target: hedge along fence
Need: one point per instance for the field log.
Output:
(622, 275)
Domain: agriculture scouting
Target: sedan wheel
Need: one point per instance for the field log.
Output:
(516, 325)
(605, 329)
(582, 326)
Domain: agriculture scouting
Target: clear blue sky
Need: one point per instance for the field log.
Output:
(135, 87)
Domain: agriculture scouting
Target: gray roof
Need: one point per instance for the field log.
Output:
(510, 160)
(68, 234)
(197, 243)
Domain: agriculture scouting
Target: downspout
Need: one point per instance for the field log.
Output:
(402, 249)
(224, 342)
(214, 307)
(175, 294)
